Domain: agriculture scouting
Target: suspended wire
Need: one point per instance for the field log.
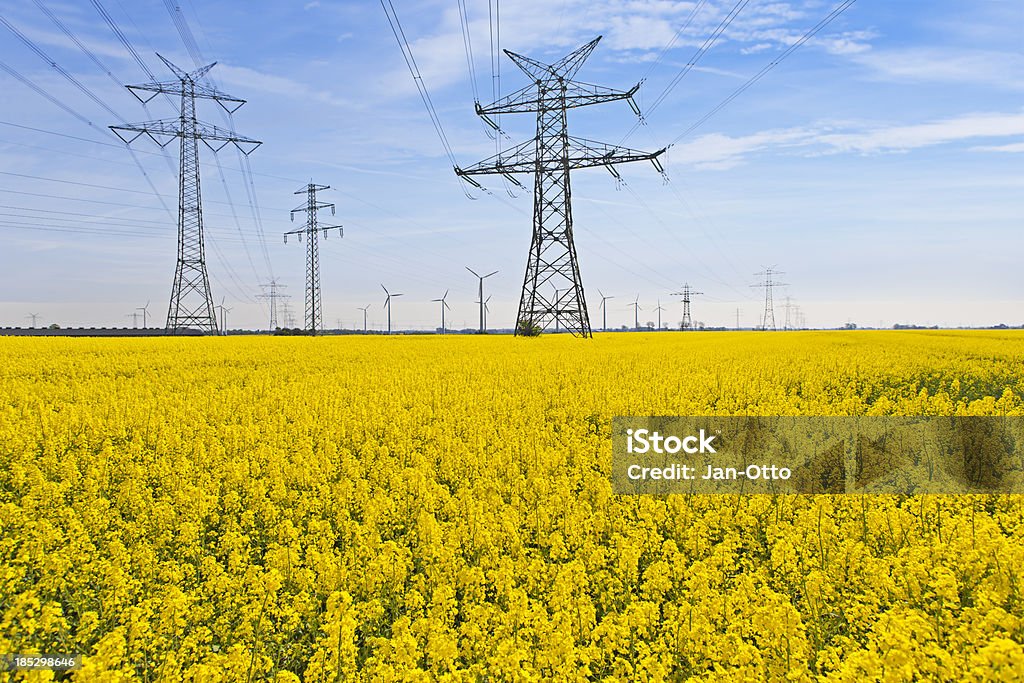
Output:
(234, 217)
(689, 20)
(59, 69)
(468, 45)
(701, 51)
(35, 87)
(73, 38)
(189, 40)
(410, 61)
(122, 38)
(836, 11)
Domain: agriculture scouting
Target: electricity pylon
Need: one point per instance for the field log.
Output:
(550, 156)
(273, 295)
(312, 231)
(768, 284)
(604, 310)
(687, 292)
(191, 302)
(481, 278)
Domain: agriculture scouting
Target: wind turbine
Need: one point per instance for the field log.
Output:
(636, 313)
(364, 309)
(557, 290)
(224, 310)
(604, 310)
(444, 305)
(483, 324)
(659, 309)
(145, 312)
(33, 316)
(387, 304)
(487, 309)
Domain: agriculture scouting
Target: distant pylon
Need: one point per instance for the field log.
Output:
(550, 156)
(788, 306)
(191, 303)
(686, 293)
(273, 295)
(768, 321)
(312, 231)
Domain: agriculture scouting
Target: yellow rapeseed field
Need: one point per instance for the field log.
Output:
(439, 508)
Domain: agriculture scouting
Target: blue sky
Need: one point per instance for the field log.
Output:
(879, 166)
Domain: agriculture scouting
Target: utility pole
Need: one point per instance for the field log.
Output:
(365, 309)
(312, 231)
(273, 295)
(604, 310)
(686, 293)
(636, 313)
(768, 283)
(659, 309)
(550, 156)
(191, 304)
(444, 305)
(480, 294)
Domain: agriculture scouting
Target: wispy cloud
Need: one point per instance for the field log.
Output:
(720, 152)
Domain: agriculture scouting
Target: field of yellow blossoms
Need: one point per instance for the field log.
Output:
(438, 508)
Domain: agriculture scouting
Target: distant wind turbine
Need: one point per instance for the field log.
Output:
(387, 304)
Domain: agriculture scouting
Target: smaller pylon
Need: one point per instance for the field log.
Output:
(768, 321)
(273, 295)
(314, 312)
(687, 292)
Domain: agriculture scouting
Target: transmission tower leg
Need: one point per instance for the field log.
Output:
(552, 264)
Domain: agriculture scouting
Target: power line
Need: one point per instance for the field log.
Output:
(836, 11)
(701, 51)
(468, 45)
(417, 77)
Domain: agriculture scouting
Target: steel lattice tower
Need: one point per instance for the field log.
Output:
(769, 305)
(551, 155)
(273, 295)
(312, 231)
(687, 292)
(191, 303)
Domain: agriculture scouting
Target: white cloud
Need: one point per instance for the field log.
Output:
(1001, 69)
(718, 151)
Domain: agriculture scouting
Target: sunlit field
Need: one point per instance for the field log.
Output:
(438, 508)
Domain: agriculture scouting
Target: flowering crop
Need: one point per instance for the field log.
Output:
(439, 508)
